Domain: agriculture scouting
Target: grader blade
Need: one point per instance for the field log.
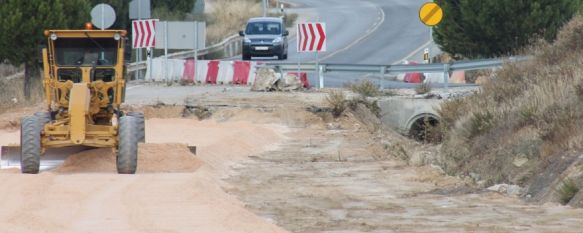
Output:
(52, 158)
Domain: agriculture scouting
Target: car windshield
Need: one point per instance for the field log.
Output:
(86, 52)
(263, 28)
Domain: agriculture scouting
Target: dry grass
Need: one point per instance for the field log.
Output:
(8, 70)
(423, 88)
(365, 88)
(229, 17)
(336, 101)
(531, 108)
(567, 191)
(12, 94)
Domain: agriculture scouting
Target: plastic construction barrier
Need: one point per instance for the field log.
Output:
(225, 75)
(303, 76)
(212, 72)
(241, 73)
(162, 70)
(189, 71)
(207, 72)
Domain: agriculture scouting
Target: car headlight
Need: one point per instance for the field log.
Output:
(277, 40)
(247, 40)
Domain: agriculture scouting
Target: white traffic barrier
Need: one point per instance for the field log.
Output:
(201, 71)
(252, 72)
(160, 71)
(226, 72)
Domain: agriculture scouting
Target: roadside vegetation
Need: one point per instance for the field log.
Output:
(525, 124)
(481, 29)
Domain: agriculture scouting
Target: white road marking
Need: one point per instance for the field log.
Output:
(368, 33)
(413, 53)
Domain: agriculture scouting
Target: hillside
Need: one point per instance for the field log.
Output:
(524, 126)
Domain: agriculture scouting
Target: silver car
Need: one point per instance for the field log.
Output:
(264, 37)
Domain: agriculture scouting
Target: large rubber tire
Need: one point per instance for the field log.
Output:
(30, 145)
(141, 125)
(127, 150)
(285, 56)
(43, 117)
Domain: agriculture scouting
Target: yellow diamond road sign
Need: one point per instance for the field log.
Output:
(430, 14)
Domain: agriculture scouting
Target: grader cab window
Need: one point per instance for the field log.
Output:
(86, 51)
(74, 75)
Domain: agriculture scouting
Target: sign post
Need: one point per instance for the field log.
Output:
(431, 14)
(144, 36)
(139, 9)
(311, 37)
(426, 56)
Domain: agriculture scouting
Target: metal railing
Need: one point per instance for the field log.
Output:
(444, 68)
(230, 46)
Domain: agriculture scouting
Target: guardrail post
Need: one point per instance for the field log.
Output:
(320, 69)
(446, 77)
(382, 77)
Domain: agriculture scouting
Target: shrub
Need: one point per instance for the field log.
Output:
(337, 102)
(423, 88)
(365, 88)
(567, 191)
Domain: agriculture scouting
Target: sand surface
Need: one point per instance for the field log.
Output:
(173, 190)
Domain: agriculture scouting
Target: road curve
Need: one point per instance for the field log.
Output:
(361, 32)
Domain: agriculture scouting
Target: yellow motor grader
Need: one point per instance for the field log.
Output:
(84, 85)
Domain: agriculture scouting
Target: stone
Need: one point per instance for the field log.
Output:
(520, 160)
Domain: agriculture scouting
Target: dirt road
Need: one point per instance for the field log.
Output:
(275, 168)
(172, 192)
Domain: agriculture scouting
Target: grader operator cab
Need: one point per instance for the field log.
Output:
(84, 86)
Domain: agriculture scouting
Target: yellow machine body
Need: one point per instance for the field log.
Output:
(84, 87)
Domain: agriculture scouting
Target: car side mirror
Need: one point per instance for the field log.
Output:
(286, 33)
(241, 33)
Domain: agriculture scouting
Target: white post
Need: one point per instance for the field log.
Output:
(320, 71)
(264, 8)
(165, 49)
(382, 83)
(149, 55)
(138, 51)
(195, 41)
(446, 77)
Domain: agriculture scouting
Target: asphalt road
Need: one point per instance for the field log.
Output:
(361, 32)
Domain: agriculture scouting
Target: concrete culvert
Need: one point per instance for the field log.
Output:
(425, 129)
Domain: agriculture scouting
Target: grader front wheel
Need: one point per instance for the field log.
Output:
(141, 125)
(127, 151)
(30, 145)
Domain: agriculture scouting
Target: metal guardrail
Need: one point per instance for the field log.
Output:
(229, 45)
(444, 68)
(401, 68)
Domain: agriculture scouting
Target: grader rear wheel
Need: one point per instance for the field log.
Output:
(30, 130)
(127, 151)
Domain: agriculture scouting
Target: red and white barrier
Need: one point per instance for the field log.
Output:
(211, 72)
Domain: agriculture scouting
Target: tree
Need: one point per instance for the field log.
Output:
(22, 24)
(478, 28)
